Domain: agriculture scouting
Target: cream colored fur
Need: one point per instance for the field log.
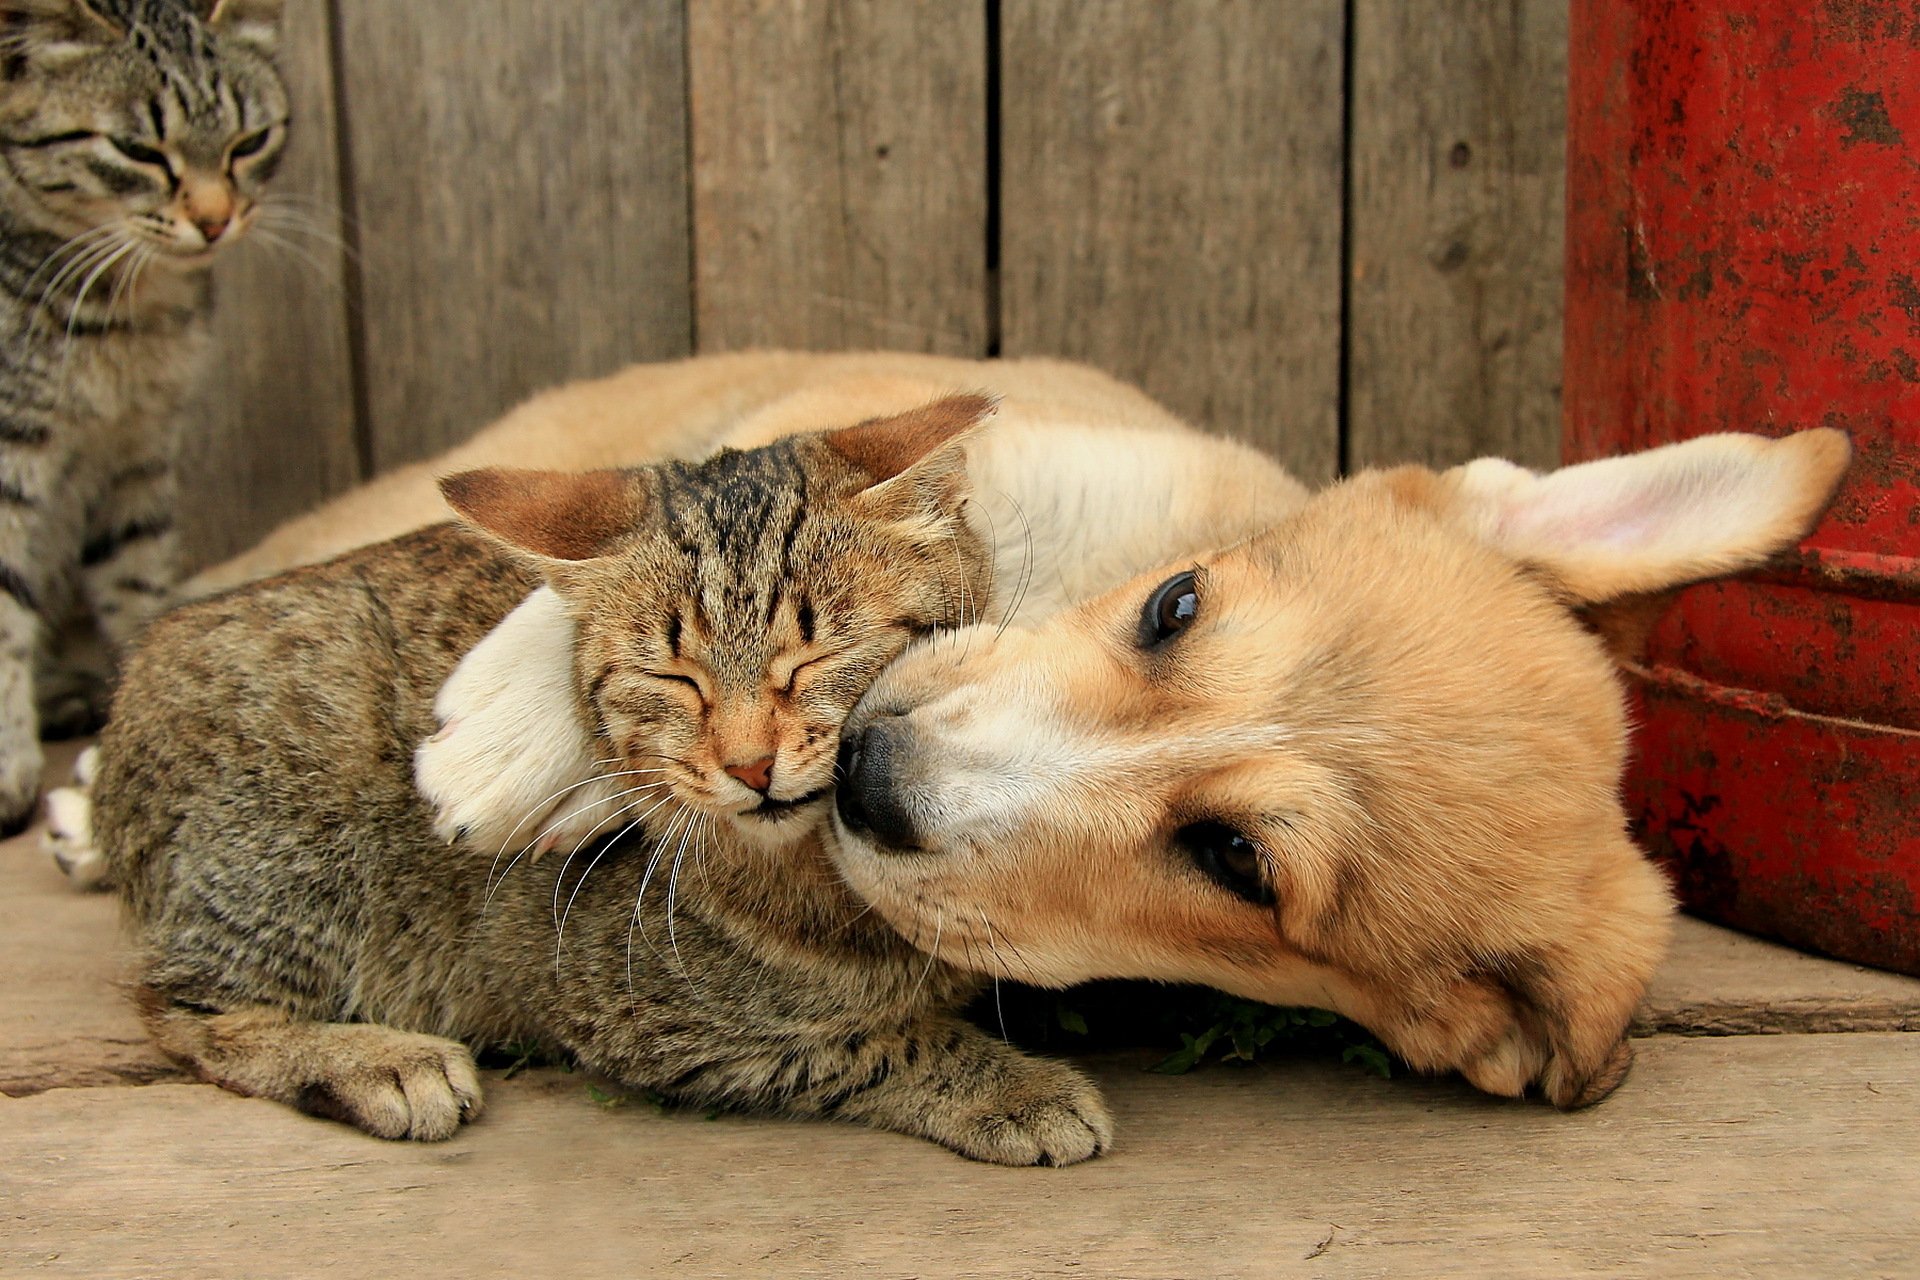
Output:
(1401, 698)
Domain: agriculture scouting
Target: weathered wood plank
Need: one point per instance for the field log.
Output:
(519, 173)
(1458, 200)
(839, 174)
(1171, 205)
(1746, 1155)
(272, 432)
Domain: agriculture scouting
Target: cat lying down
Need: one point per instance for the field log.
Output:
(1471, 898)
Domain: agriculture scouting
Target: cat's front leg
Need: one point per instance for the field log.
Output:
(513, 767)
(938, 1078)
(130, 563)
(391, 1083)
(36, 549)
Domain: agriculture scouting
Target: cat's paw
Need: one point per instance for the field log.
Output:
(69, 832)
(20, 770)
(1045, 1113)
(395, 1084)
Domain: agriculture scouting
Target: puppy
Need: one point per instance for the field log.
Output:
(1367, 761)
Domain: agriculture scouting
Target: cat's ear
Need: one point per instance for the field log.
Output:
(915, 454)
(558, 515)
(49, 30)
(249, 22)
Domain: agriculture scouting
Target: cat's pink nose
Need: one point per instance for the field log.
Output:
(758, 775)
(212, 226)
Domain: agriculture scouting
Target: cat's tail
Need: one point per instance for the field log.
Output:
(69, 831)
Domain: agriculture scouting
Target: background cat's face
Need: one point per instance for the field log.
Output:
(141, 123)
(732, 611)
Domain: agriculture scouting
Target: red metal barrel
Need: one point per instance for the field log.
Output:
(1744, 255)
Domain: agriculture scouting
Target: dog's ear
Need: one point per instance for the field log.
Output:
(555, 515)
(1650, 522)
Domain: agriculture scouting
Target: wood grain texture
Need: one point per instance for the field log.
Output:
(272, 431)
(839, 174)
(519, 172)
(1171, 205)
(1737, 1156)
(1459, 130)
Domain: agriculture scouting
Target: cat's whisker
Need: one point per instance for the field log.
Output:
(299, 253)
(641, 790)
(1025, 579)
(493, 885)
(673, 885)
(560, 933)
(544, 805)
(933, 954)
(73, 245)
(76, 266)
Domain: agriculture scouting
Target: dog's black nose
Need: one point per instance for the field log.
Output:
(868, 801)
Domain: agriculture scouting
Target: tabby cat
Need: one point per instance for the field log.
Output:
(309, 939)
(136, 136)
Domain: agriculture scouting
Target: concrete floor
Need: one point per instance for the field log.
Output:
(1770, 1127)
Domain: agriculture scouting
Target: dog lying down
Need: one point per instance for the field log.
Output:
(1367, 760)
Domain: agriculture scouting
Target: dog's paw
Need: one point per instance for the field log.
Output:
(395, 1084)
(490, 794)
(1046, 1113)
(69, 835)
(512, 766)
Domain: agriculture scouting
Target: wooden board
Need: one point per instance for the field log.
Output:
(273, 430)
(519, 173)
(839, 174)
(1747, 1155)
(1457, 208)
(1171, 190)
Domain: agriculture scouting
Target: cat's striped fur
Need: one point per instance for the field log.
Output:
(310, 939)
(136, 137)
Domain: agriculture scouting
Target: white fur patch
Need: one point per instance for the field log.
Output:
(512, 768)
(69, 834)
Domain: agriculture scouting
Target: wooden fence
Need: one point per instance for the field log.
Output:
(1332, 226)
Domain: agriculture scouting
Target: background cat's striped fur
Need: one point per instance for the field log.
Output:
(136, 137)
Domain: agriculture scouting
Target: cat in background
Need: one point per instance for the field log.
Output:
(136, 138)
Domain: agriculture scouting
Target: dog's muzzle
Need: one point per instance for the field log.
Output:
(867, 795)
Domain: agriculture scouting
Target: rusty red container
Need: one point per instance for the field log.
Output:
(1744, 255)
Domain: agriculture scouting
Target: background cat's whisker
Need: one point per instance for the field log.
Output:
(298, 253)
(95, 252)
(298, 221)
(129, 281)
(74, 246)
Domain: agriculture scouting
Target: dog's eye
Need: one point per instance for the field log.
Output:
(1228, 858)
(1169, 610)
